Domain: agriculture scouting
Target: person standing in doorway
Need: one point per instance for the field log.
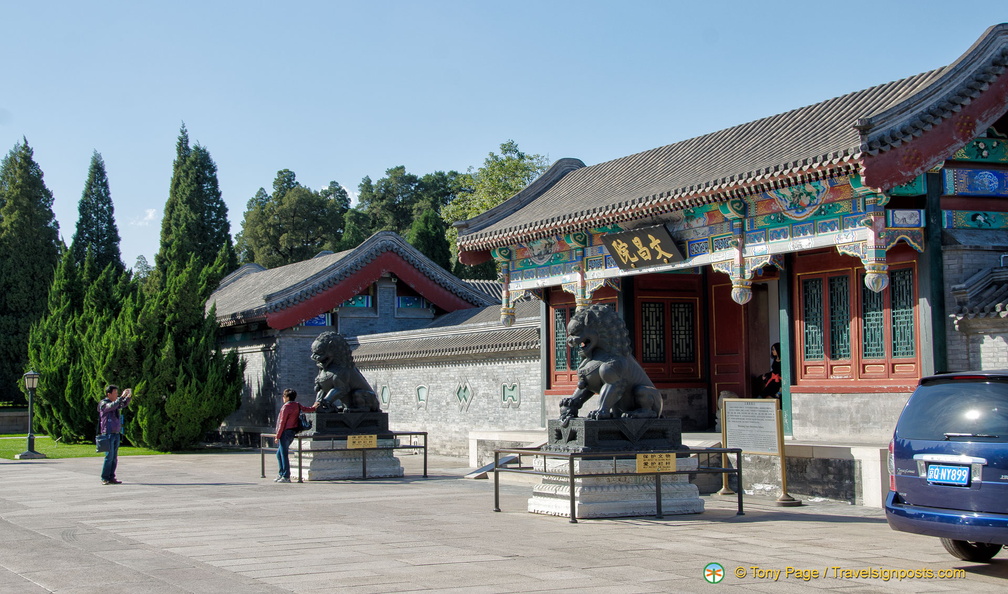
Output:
(287, 423)
(110, 423)
(770, 382)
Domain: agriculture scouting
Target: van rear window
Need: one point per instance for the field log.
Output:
(957, 411)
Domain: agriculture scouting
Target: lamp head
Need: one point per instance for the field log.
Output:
(31, 380)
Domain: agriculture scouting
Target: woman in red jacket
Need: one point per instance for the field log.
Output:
(287, 422)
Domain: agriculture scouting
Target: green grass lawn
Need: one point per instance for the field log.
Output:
(11, 445)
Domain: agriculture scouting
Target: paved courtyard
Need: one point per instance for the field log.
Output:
(209, 523)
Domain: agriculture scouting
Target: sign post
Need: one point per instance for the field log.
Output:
(755, 426)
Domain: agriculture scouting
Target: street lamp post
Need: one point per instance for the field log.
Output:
(31, 382)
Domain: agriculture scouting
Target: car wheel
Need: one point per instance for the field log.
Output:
(979, 552)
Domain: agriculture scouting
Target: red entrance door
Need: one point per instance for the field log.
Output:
(729, 342)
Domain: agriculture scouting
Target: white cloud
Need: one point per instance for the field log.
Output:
(150, 215)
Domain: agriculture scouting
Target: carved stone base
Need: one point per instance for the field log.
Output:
(587, 435)
(349, 423)
(325, 460)
(629, 494)
(612, 497)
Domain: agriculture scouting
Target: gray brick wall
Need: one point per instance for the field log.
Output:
(273, 365)
(986, 342)
(978, 343)
(258, 395)
(446, 417)
(846, 418)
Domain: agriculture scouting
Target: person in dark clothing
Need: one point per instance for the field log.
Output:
(769, 384)
(110, 423)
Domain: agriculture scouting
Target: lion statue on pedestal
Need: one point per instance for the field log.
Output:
(339, 385)
(608, 369)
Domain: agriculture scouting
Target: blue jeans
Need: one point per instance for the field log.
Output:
(111, 458)
(283, 452)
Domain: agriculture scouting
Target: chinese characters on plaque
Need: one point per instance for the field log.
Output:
(662, 462)
(355, 442)
(638, 248)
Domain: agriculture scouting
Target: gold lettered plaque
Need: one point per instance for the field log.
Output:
(656, 462)
(358, 442)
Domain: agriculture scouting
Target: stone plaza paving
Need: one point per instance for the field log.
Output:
(209, 523)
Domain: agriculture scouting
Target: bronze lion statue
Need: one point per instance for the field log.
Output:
(339, 385)
(608, 369)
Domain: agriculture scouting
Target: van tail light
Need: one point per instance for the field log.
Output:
(891, 463)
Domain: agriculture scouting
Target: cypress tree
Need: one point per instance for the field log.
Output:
(96, 226)
(53, 347)
(69, 346)
(195, 216)
(29, 253)
(190, 385)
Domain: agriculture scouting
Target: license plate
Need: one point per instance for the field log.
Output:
(948, 475)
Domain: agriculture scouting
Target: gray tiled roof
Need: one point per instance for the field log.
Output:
(983, 295)
(251, 291)
(468, 333)
(828, 138)
(493, 288)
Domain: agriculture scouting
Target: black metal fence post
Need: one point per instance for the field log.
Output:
(657, 490)
(738, 473)
(496, 482)
(300, 464)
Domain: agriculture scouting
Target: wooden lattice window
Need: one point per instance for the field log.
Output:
(901, 289)
(667, 341)
(565, 357)
(847, 331)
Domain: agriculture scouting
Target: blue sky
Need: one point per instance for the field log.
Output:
(340, 90)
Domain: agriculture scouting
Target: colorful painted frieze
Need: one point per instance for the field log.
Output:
(974, 182)
(992, 148)
(974, 219)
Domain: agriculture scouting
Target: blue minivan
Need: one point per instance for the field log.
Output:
(948, 463)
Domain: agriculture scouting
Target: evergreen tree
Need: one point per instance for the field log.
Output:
(434, 190)
(185, 386)
(389, 202)
(244, 247)
(53, 346)
(29, 254)
(189, 385)
(195, 216)
(104, 325)
(356, 228)
(68, 345)
(141, 268)
(96, 226)
(428, 235)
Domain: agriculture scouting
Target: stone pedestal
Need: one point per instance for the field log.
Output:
(628, 493)
(348, 423)
(325, 456)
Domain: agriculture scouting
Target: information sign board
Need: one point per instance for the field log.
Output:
(751, 425)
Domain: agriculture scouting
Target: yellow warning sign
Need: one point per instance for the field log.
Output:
(358, 442)
(656, 462)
